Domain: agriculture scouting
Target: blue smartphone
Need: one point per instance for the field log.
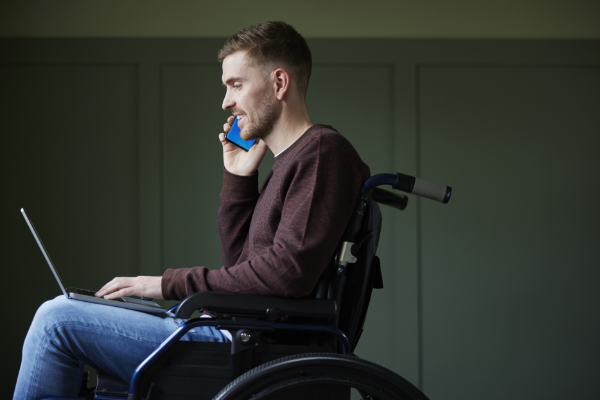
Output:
(233, 136)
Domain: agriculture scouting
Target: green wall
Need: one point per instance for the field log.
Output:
(111, 146)
(508, 19)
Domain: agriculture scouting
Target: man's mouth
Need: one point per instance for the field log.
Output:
(240, 117)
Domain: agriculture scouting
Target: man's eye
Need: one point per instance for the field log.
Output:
(237, 86)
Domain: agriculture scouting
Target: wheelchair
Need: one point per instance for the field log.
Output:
(284, 348)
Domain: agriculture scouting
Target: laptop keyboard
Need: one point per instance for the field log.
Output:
(121, 299)
(85, 292)
(89, 293)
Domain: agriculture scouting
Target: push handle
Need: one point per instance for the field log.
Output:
(410, 184)
(423, 188)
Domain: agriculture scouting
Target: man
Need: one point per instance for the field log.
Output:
(275, 242)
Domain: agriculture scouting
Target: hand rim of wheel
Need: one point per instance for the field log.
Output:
(309, 380)
(327, 365)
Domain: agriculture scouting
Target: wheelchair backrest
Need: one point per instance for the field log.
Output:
(361, 277)
(352, 287)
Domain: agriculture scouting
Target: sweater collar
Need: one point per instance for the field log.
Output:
(305, 136)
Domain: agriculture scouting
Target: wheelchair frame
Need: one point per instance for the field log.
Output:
(247, 317)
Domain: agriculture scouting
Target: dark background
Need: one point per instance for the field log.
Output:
(111, 146)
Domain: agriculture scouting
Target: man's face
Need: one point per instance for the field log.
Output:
(250, 97)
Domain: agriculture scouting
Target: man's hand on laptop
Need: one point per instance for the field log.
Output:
(238, 161)
(143, 286)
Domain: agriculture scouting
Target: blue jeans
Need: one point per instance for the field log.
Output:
(66, 334)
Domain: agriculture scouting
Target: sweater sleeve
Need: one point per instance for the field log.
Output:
(238, 199)
(318, 194)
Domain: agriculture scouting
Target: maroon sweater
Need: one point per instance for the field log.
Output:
(277, 242)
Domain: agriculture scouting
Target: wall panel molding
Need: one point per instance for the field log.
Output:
(395, 67)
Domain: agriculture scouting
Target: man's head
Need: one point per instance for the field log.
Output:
(271, 44)
(256, 60)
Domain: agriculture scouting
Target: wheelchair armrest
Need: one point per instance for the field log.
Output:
(255, 306)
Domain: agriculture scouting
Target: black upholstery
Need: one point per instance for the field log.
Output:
(197, 370)
(360, 279)
(255, 306)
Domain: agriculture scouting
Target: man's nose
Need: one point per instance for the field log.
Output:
(227, 101)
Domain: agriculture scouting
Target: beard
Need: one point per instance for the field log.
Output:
(262, 122)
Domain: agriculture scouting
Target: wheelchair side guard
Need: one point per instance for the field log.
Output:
(250, 328)
(244, 337)
(255, 306)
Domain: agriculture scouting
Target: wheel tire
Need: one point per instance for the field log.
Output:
(291, 372)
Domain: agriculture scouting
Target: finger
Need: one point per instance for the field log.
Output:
(109, 287)
(260, 146)
(230, 120)
(226, 127)
(114, 285)
(129, 291)
(105, 289)
(102, 289)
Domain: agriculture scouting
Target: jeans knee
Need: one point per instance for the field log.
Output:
(54, 313)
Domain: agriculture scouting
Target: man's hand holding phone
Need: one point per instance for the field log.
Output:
(238, 161)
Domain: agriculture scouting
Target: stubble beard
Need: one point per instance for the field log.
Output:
(264, 122)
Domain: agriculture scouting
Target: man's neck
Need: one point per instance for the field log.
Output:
(287, 130)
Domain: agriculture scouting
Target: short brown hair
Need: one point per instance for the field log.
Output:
(273, 42)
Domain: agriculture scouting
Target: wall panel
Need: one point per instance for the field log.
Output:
(69, 156)
(111, 145)
(192, 165)
(510, 280)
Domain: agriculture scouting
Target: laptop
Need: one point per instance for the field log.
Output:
(88, 295)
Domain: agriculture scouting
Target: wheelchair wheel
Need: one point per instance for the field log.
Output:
(282, 377)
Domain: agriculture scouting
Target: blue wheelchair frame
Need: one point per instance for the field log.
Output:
(370, 188)
(175, 336)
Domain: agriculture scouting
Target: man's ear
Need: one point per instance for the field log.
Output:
(281, 83)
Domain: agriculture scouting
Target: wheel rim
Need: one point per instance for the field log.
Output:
(352, 371)
(295, 383)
